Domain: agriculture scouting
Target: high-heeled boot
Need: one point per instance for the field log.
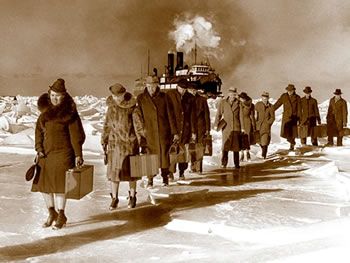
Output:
(114, 203)
(52, 217)
(132, 200)
(61, 220)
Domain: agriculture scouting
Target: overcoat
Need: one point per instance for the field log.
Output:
(291, 114)
(123, 133)
(337, 116)
(156, 120)
(59, 135)
(265, 116)
(182, 115)
(229, 112)
(309, 112)
(202, 117)
(247, 119)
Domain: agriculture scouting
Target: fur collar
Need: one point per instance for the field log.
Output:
(66, 111)
(128, 102)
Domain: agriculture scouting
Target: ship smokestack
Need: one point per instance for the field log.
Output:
(179, 60)
(171, 61)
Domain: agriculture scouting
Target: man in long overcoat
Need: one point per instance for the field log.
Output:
(291, 114)
(182, 118)
(265, 116)
(153, 105)
(201, 122)
(228, 113)
(337, 118)
(310, 115)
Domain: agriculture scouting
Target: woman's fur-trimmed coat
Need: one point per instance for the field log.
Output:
(59, 135)
(123, 133)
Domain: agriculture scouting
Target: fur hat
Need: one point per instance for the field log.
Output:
(307, 90)
(117, 89)
(58, 86)
(337, 92)
(290, 87)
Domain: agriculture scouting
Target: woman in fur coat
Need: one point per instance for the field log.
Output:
(59, 136)
(122, 135)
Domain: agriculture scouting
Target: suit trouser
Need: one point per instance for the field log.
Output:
(224, 158)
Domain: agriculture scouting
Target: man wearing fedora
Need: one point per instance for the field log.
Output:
(153, 105)
(228, 113)
(265, 116)
(337, 117)
(309, 116)
(291, 114)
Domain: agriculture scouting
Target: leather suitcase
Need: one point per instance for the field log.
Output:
(79, 181)
(320, 131)
(195, 151)
(303, 131)
(144, 165)
(345, 132)
(177, 154)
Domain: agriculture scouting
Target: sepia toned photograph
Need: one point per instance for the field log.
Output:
(174, 131)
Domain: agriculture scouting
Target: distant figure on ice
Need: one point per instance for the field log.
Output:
(228, 120)
(59, 136)
(154, 108)
(122, 136)
(182, 121)
(248, 125)
(265, 116)
(337, 118)
(201, 122)
(309, 116)
(291, 114)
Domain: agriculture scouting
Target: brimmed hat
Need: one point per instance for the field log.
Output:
(290, 87)
(307, 90)
(337, 92)
(152, 80)
(183, 83)
(117, 89)
(58, 86)
(244, 96)
(232, 89)
(265, 94)
(192, 85)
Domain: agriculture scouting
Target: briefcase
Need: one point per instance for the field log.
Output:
(195, 151)
(144, 165)
(302, 131)
(344, 132)
(79, 181)
(221, 125)
(208, 146)
(320, 131)
(177, 154)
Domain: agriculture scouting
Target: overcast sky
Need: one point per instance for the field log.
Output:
(264, 45)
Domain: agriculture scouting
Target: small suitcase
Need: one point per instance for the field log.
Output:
(177, 154)
(79, 181)
(303, 131)
(345, 132)
(144, 165)
(320, 131)
(195, 151)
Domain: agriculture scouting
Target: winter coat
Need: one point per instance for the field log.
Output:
(291, 113)
(182, 115)
(265, 116)
(247, 119)
(59, 135)
(309, 112)
(156, 120)
(202, 117)
(337, 116)
(230, 113)
(123, 133)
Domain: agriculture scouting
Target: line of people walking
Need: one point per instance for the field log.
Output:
(155, 121)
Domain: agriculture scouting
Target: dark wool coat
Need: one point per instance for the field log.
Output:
(247, 119)
(230, 114)
(309, 112)
(59, 134)
(265, 116)
(202, 117)
(337, 116)
(123, 133)
(291, 114)
(156, 120)
(182, 115)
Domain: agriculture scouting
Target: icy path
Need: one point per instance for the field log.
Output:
(288, 209)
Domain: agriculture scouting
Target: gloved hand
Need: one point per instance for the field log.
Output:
(243, 131)
(41, 154)
(144, 149)
(176, 138)
(79, 161)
